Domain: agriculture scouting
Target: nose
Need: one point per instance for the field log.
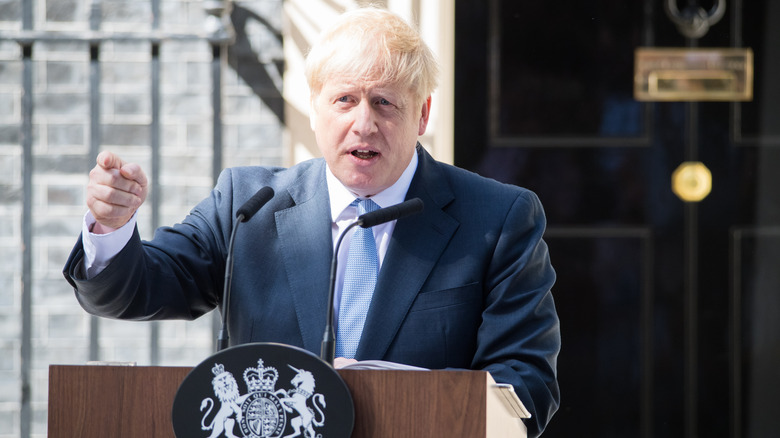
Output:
(365, 119)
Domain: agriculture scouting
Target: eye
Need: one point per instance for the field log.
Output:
(343, 99)
(383, 101)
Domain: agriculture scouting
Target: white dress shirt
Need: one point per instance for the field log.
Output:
(343, 214)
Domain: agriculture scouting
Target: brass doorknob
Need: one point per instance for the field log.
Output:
(692, 181)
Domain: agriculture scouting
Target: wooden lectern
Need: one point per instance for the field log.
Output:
(128, 401)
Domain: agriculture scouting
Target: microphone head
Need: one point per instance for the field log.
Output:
(254, 203)
(391, 213)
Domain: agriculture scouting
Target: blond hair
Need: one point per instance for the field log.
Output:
(372, 44)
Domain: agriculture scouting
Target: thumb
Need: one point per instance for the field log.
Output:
(109, 160)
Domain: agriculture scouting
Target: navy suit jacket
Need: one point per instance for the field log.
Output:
(464, 284)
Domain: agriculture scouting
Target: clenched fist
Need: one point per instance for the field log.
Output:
(115, 191)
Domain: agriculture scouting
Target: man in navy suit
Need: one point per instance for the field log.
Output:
(464, 284)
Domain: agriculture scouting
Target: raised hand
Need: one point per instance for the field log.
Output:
(115, 191)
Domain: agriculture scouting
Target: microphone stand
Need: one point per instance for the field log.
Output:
(328, 348)
(224, 338)
(367, 220)
(244, 213)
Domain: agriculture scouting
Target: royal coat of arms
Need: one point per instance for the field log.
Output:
(263, 411)
(263, 390)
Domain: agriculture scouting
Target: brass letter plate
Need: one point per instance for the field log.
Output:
(673, 74)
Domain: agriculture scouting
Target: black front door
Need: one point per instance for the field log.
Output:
(669, 308)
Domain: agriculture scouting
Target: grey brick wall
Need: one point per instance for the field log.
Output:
(61, 160)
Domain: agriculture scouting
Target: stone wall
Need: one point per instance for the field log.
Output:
(253, 127)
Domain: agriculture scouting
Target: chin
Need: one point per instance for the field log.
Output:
(363, 190)
(359, 183)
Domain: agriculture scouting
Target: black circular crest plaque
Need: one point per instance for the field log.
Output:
(263, 390)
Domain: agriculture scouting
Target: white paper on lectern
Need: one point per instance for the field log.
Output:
(380, 365)
(111, 363)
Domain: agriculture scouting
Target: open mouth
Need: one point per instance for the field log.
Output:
(364, 154)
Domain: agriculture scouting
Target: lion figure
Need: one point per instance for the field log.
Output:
(226, 390)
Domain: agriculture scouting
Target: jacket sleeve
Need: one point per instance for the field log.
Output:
(177, 275)
(519, 339)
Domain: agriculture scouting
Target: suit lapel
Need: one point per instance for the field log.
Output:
(415, 247)
(306, 248)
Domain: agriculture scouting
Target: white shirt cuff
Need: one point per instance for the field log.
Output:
(100, 249)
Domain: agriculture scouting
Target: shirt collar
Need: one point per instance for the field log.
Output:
(341, 197)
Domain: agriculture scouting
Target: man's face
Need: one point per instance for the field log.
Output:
(367, 132)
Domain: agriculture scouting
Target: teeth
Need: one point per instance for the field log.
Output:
(364, 154)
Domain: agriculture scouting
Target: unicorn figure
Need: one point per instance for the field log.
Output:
(296, 400)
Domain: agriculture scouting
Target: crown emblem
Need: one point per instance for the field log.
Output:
(261, 378)
(218, 369)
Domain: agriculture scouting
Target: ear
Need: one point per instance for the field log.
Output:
(312, 112)
(424, 115)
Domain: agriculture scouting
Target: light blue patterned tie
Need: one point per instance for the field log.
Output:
(360, 275)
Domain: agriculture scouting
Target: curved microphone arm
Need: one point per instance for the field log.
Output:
(224, 339)
(328, 348)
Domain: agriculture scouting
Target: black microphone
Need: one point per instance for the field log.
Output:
(391, 213)
(378, 217)
(254, 204)
(243, 214)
